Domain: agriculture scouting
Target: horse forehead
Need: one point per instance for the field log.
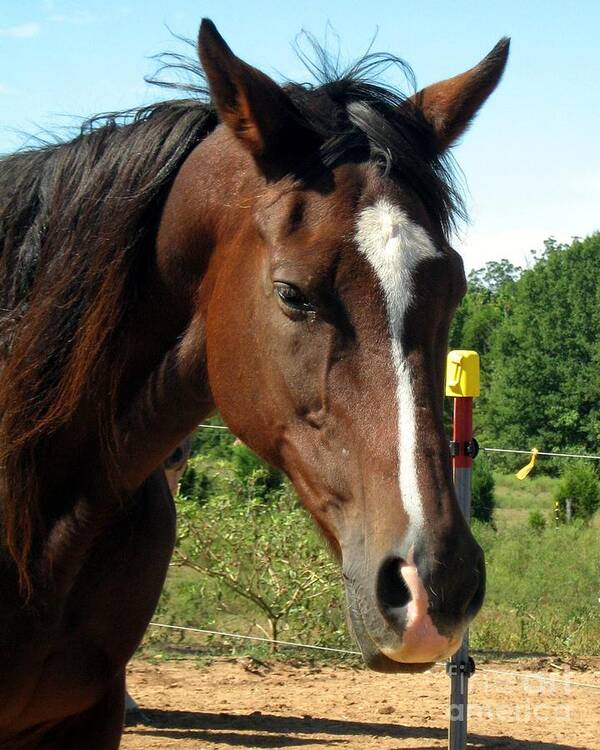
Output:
(289, 207)
(359, 214)
(394, 245)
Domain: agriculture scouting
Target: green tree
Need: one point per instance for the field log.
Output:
(253, 471)
(486, 305)
(213, 442)
(195, 483)
(544, 386)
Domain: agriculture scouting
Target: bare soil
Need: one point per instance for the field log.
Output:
(244, 703)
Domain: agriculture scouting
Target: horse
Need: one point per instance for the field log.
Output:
(277, 253)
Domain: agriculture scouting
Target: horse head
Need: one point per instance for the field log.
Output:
(325, 301)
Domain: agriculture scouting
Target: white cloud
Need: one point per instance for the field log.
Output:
(4, 88)
(24, 31)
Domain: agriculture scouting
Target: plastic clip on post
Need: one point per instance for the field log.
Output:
(462, 384)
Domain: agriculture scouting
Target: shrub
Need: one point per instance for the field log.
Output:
(252, 470)
(483, 499)
(213, 444)
(195, 484)
(254, 564)
(542, 590)
(537, 521)
(252, 552)
(580, 485)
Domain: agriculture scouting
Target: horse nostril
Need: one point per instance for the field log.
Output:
(392, 591)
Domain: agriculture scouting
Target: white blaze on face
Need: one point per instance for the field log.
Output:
(394, 246)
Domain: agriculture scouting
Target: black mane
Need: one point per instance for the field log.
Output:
(366, 121)
(64, 202)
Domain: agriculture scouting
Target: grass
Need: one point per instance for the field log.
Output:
(516, 499)
(543, 590)
(543, 586)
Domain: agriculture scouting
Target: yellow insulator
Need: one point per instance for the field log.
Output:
(462, 373)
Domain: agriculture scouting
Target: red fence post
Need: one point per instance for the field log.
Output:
(462, 384)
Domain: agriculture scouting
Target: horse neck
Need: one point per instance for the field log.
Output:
(166, 392)
(164, 389)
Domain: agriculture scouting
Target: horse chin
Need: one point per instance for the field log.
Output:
(372, 653)
(379, 662)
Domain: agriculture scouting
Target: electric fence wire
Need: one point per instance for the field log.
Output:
(488, 450)
(293, 644)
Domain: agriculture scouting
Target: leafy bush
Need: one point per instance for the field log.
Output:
(537, 520)
(249, 468)
(257, 546)
(213, 443)
(250, 561)
(580, 485)
(482, 491)
(195, 484)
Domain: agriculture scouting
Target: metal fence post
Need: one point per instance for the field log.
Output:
(462, 384)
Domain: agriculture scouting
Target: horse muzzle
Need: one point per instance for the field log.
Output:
(413, 617)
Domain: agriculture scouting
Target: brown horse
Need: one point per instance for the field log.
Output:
(279, 254)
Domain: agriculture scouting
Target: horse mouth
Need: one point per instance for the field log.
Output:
(383, 648)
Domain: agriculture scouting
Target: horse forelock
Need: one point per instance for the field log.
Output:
(357, 117)
(361, 121)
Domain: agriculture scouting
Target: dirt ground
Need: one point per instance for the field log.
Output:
(242, 703)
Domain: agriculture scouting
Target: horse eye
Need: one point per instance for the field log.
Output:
(293, 298)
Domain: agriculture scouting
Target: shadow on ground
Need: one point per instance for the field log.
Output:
(274, 731)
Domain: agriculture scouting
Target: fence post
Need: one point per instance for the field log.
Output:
(462, 384)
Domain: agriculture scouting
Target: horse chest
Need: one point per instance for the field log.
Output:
(107, 611)
(118, 588)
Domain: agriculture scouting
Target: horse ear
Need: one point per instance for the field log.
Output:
(252, 105)
(450, 105)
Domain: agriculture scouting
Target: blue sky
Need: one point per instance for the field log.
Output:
(531, 160)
